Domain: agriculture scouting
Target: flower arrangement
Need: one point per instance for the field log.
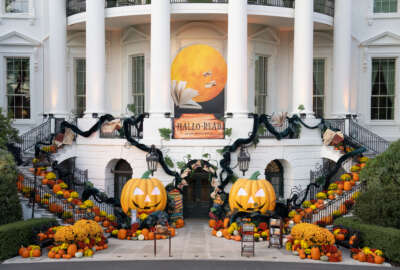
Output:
(321, 196)
(306, 204)
(312, 234)
(345, 177)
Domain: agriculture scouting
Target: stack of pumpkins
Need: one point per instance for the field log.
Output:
(367, 254)
(30, 251)
(84, 238)
(310, 241)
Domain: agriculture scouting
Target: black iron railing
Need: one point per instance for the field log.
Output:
(332, 207)
(122, 3)
(269, 135)
(367, 138)
(326, 7)
(336, 124)
(75, 6)
(37, 134)
(136, 132)
(273, 3)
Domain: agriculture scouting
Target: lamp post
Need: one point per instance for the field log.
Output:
(36, 165)
(243, 159)
(152, 159)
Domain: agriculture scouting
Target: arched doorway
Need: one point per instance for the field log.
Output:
(274, 174)
(122, 173)
(196, 195)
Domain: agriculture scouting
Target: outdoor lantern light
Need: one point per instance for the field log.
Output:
(243, 159)
(152, 159)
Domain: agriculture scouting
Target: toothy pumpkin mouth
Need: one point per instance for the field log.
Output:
(251, 208)
(146, 207)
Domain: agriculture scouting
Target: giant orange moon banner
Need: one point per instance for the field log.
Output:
(198, 79)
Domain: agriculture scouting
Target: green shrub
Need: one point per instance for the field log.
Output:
(7, 132)
(373, 236)
(21, 233)
(379, 206)
(10, 207)
(384, 169)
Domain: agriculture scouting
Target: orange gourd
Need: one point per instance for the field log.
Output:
(45, 181)
(379, 259)
(51, 255)
(25, 253)
(105, 246)
(214, 232)
(21, 250)
(56, 188)
(172, 231)
(57, 256)
(96, 210)
(151, 236)
(297, 218)
(340, 186)
(67, 194)
(122, 234)
(106, 223)
(61, 252)
(362, 257)
(347, 186)
(36, 253)
(340, 236)
(66, 256)
(302, 253)
(315, 253)
(72, 249)
(145, 232)
(179, 223)
(212, 223)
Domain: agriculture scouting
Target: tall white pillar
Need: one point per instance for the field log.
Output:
(58, 58)
(160, 70)
(303, 56)
(95, 57)
(342, 58)
(160, 63)
(237, 88)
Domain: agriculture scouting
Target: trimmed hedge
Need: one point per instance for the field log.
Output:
(10, 207)
(21, 233)
(384, 238)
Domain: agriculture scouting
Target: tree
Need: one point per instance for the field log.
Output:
(10, 207)
(8, 133)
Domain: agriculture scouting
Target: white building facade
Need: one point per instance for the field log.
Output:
(89, 58)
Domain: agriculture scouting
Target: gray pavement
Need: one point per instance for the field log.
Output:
(183, 264)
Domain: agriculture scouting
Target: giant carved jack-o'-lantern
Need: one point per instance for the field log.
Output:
(252, 195)
(144, 195)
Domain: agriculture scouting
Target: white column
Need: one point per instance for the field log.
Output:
(95, 57)
(58, 58)
(237, 87)
(303, 56)
(342, 58)
(160, 63)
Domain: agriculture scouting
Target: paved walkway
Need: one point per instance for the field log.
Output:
(193, 242)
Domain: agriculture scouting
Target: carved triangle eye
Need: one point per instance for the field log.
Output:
(138, 191)
(260, 193)
(242, 192)
(156, 191)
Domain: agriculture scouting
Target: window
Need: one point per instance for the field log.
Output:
(138, 83)
(261, 84)
(385, 6)
(319, 87)
(80, 86)
(17, 6)
(383, 89)
(18, 87)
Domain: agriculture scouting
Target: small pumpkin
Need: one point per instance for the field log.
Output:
(252, 195)
(72, 249)
(66, 256)
(36, 253)
(340, 237)
(144, 195)
(315, 253)
(122, 234)
(212, 223)
(179, 223)
(56, 188)
(51, 254)
(79, 254)
(297, 218)
(324, 258)
(379, 259)
(347, 186)
(67, 194)
(25, 253)
(362, 257)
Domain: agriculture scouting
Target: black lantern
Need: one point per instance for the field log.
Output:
(152, 159)
(243, 159)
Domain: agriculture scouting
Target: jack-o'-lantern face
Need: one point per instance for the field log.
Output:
(252, 195)
(144, 195)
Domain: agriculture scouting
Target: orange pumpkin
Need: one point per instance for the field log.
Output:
(340, 236)
(379, 259)
(214, 232)
(105, 246)
(356, 176)
(45, 181)
(179, 223)
(67, 194)
(302, 253)
(96, 210)
(122, 234)
(72, 249)
(57, 256)
(226, 222)
(315, 253)
(97, 219)
(66, 256)
(36, 253)
(331, 197)
(56, 188)
(340, 186)
(25, 253)
(145, 232)
(212, 223)
(343, 209)
(339, 192)
(106, 223)
(21, 250)
(151, 236)
(51, 254)
(297, 218)
(61, 252)
(362, 257)
(172, 231)
(347, 186)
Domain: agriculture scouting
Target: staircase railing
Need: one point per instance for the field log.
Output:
(37, 134)
(367, 138)
(329, 208)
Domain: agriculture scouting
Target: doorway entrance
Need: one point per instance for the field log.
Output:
(274, 174)
(196, 195)
(122, 173)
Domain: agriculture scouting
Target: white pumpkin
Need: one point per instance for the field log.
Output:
(235, 232)
(79, 254)
(219, 234)
(141, 237)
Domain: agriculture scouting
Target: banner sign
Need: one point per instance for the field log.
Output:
(198, 76)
